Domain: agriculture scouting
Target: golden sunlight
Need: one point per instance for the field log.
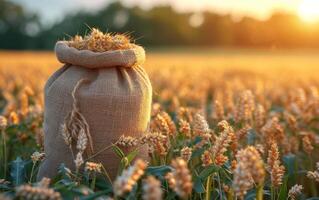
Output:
(309, 11)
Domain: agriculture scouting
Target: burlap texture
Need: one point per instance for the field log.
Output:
(116, 100)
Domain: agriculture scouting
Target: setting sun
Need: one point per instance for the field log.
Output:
(309, 10)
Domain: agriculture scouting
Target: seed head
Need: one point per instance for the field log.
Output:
(127, 141)
(14, 118)
(152, 189)
(229, 102)
(241, 133)
(170, 123)
(200, 125)
(24, 104)
(295, 191)
(185, 128)
(159, 124)
(3, 122)
(249, 170)
(307, 145)
(129, 177)
(245, 107)
(272, 130)
(152, 137)
(36, 156)
(157, 142)
(291, 121)
(260, 116)
(35, 111)
(28, 192)
(44, 183)
(314, 174)
(78, 160)
(186, 153)
(218, 111)
(180, 179)
(66, 135)
(242, 180)
(222, 142)
(185, 113)
(205, 139)
(82, 141)
(93, 167)
(206, 159)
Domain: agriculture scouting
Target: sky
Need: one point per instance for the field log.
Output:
(52, 11)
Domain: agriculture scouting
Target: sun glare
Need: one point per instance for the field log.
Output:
(309, 11)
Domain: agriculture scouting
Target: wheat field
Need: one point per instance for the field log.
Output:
(226, 124)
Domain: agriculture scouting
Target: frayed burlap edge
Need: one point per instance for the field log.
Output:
(90, 59)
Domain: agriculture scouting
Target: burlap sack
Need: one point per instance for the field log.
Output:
(115, 100)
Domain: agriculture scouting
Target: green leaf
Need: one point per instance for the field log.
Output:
(18, 171)
(208, 171)
(103, 184)
(283, 189)
(251, 195)
(158, 171)
(132, 155)
(118, 151)
(64, 172)
(82, 190)
(171, 196)
(64, 186)
(124, 163)
(199, 186)
(289, 162)
(196, 140)
(197, 153)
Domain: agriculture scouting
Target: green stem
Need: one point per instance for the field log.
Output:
(260, 192)
(97, 153)
(312, 182)
(32, 170)
(93, 182)
(272, 192)
(208, 187)
(220, 187)
(197, 174)
(107, 175)
(4, 153)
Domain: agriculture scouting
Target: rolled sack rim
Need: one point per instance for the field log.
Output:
(89, 59)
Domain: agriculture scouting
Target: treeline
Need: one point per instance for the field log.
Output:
(159, 26)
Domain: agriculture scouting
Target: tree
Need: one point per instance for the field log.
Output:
(17, 28)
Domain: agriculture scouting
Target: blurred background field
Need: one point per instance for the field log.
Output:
(255, 60)
(175, 68)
